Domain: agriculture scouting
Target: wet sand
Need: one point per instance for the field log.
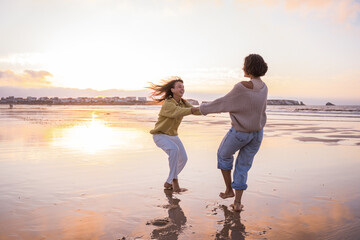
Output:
(69, 172)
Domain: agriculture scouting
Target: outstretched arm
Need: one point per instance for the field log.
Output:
(226, 103)
(170, 110)
(194, 110)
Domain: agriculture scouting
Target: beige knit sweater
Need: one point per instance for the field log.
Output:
(246, 106)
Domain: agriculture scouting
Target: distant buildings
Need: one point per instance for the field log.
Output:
(78, 100)
(31, 98)
(82, 100)
(130, 99)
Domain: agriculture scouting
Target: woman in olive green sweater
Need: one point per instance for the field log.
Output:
(165, 133)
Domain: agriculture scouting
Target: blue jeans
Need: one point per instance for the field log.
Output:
(248, 144)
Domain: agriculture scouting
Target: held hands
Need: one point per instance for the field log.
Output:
(195, 109)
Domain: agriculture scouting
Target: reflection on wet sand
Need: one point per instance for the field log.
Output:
(331, 134)
(95, 135)
(232, 226)
(169, 227)
(315, 222)
(83, 224)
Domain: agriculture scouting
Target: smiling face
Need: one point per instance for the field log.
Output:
(178, 90)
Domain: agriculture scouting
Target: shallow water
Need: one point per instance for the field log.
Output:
(93, 172)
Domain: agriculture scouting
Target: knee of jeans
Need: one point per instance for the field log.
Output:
(245, 162)
(248, 157)
(220, 154)
(224, 164)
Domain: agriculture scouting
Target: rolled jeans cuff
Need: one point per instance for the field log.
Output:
(239, 186)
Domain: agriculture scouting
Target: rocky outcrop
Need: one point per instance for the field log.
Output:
(193, 101)
(283, 102)
(329, 104)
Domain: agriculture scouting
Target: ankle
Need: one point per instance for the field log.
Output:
(229, 190)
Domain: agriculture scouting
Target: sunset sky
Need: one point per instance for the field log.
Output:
(312, 47)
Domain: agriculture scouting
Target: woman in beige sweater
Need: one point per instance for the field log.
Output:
(165, 133)
(246, 103)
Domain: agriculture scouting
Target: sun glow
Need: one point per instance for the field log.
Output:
(95, 136)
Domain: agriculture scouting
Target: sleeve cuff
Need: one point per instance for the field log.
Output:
(201, 109)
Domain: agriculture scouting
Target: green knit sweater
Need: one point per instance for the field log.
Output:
(171, 115)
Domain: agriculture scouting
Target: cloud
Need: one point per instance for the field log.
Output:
(347, 10)
(29, 78)
(344, 11)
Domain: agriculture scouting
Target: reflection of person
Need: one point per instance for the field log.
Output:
(232, 222)
(172, 225)
(165, 133)
(246, 103)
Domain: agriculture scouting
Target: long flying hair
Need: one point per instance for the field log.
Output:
(163, 89)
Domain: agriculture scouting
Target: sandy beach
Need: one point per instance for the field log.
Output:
(93, 172)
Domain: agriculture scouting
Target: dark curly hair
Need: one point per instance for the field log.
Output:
(164, 89)
(255, 65)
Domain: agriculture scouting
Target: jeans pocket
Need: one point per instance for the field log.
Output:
(241, 136)
(259, 136)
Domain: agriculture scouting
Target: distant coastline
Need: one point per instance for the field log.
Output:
(86, 104)
(111, 101)
(11, 100)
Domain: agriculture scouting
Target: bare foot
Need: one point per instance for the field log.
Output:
(227, 194)
(237, 206)
(168, 186)
(179, 190)
(176, 187)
